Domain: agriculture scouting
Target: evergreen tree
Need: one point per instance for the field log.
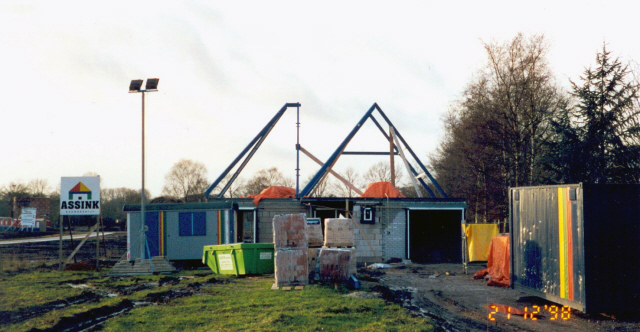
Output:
(601, 141)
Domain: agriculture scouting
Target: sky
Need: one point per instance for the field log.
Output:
(227, 67)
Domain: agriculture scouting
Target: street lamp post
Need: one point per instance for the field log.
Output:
(134, 87)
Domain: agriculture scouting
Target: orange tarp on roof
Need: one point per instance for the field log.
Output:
(274, 192)
(382, 189)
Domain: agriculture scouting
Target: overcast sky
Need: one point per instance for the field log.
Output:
(226, 67)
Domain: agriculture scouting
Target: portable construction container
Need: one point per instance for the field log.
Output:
(578, 245)
(180, 231)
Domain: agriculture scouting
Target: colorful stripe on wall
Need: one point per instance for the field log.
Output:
(565, 245)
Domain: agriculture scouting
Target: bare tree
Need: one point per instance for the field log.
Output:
(495, 136)
(114, 198)
(381, 171)
(343, 190)
(8, 192)
(39, 187)
(234, 190)
(186, 180)
(324, 188)
(265, 178)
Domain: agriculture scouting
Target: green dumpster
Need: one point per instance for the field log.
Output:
(239, 258)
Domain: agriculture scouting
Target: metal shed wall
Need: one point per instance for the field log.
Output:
(577, 245)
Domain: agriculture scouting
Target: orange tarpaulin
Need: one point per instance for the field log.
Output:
(382, 189)
(274, 192)
(498, 263)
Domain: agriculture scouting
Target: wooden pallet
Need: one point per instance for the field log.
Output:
(287, 288)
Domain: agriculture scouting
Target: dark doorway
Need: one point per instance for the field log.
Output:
(244, 230)
(435, 236)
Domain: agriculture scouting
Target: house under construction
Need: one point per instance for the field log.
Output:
(388, 225)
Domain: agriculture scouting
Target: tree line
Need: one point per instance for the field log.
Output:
(515, 126)
(187, 181)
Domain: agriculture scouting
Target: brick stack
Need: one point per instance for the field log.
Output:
(338, 233)
(337, 259)
(314, 231)
(291, 245)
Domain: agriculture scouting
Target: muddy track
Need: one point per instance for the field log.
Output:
(442, 320)
(93, 318)
(454, 301)
(12, 317)
(85, 320)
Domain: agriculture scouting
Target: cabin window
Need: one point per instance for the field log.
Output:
(192, 223)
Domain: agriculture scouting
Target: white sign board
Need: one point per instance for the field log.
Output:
(28, 218)
(80, 196)
(226, 262)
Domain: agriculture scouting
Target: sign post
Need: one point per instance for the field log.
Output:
(79, 196)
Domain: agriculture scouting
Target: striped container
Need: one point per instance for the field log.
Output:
(578, 245)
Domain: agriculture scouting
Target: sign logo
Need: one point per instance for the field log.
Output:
(80, 195)
(80, 189)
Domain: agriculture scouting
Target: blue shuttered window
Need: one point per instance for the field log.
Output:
(192, 224)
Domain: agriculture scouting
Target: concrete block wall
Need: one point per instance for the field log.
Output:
(372, 233)
(394, 234)
(268, 208)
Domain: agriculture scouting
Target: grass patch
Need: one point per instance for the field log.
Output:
(191, 301)
(250, 304)
(30, 289)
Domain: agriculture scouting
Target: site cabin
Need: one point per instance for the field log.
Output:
(421, 230)
(578, 245)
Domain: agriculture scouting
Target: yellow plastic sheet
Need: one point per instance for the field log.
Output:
(479, 240)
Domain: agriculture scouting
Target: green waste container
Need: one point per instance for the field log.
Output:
(239, 258)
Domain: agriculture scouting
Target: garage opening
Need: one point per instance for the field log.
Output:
(435, 236)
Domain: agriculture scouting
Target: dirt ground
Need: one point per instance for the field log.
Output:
(456, 302)
(440, 292)
(112, 249)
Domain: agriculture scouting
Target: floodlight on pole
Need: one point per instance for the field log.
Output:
(134, 87)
